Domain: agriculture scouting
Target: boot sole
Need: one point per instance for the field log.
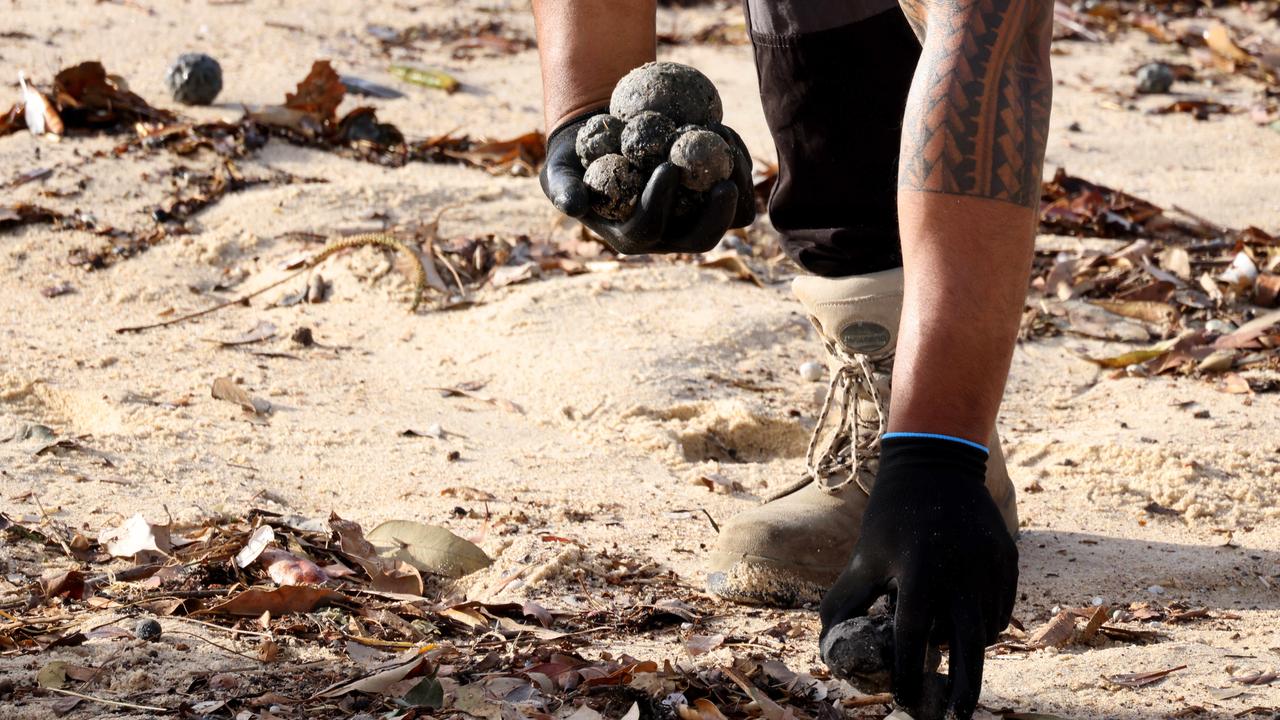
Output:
(759, 580)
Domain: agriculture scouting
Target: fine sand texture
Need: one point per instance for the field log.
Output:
(631, 381)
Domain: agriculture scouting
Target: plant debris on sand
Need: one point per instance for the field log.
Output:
(279, 588)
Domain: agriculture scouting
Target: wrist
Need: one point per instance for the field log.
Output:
(571, 120)
(905, 453)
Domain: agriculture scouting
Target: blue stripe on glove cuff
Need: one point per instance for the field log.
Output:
(937, 436)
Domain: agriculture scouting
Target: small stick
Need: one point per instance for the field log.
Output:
(334, 246)
(711, 520)
(865, 700)
(105, 701)
(452, 271)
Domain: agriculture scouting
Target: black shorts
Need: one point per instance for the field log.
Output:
(834, 77)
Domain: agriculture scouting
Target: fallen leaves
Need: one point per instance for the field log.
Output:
(279, 601)
(1142, 679)
(428, 548)
(227, 389)
(1183, 280)
(136, 536)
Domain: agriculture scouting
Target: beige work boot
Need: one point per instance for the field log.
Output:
(787, 551)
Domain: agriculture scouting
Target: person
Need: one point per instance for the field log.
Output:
(910, 137)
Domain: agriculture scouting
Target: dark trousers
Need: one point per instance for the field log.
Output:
(834, 77)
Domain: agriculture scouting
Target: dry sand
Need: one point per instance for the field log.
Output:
(632, 383)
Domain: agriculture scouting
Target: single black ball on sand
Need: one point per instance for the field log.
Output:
(704, 159)
(194, 79)
(680, 92)
(601, 135)
(147, 629)
(1155, 78)
(647, 139)
(615, 186)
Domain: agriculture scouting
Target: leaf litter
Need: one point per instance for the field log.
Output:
(403, 650)
(1201, 290)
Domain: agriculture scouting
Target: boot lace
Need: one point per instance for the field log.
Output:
(848, 448)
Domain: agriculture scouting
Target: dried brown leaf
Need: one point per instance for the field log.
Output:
(1157, 313)
(87, 97)
(1246, 334)
(1096, 620)
(70, 583)
(285, 568)
(393, 576)
(379, 682)
(280, 601)
(1266, 291)
(702, 644)
(734, 265)
(225, 388)
(1135, 680)
(1058, 632)
(319, 94)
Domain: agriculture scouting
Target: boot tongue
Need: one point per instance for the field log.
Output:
(859, 314)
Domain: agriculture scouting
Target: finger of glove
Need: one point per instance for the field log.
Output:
(650, 219)
(561, 180)
(713, 221)
(966, 656)
(1006, 597)
(745, 211)
(911, 628)
(853, 593)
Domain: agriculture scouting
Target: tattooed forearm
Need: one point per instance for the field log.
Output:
(978, 116)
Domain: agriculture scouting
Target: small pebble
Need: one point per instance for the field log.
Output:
(1155, 78)
(303, 336)
(147, 629)
(194, 79)
(1097, 602)
(812, 371)
(1116, 615)
(1220, 327)
(1155, 590)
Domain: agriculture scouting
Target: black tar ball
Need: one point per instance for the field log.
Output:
(601, 135)
(147, 629)
(194, 79)
(615, 186)
(647, 139)
(677, 91)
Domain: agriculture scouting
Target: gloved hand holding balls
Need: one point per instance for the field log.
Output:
(659, 112)
(658, 172)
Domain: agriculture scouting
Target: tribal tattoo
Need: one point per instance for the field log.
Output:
(977, 119)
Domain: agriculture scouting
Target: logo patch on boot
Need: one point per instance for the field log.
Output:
(864, 337)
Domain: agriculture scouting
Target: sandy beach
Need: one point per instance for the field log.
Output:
(606, 396)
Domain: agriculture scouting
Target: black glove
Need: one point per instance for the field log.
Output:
(932, 538)
(653, 227)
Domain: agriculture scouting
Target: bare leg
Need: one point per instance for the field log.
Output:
(969, 184)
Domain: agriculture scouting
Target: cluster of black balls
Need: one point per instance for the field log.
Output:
(659, 112)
